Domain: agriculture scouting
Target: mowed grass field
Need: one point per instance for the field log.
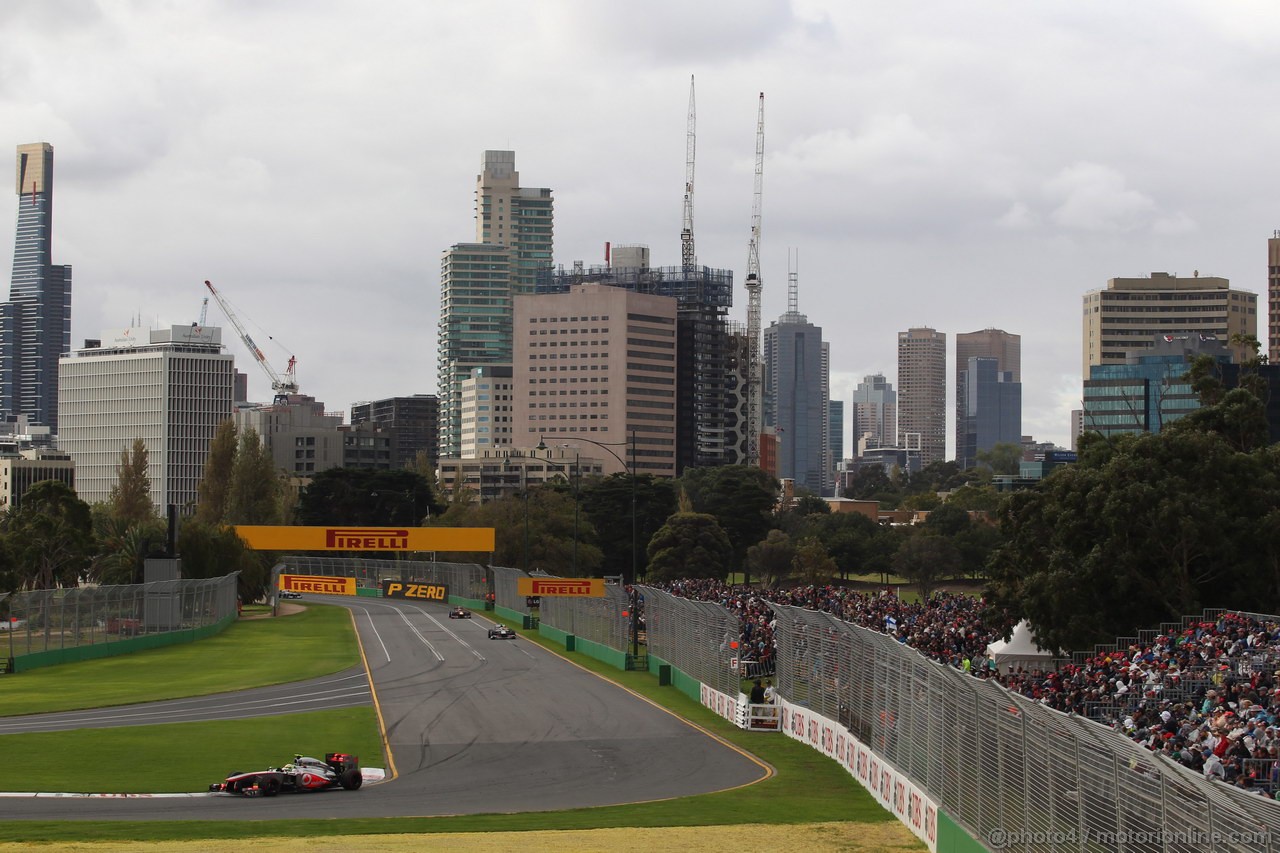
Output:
(822, 806)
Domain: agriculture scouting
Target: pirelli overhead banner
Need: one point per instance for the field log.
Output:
(262, 538)
(576, 587)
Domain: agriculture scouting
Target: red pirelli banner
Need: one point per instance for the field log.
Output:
(576, 587)
(318, 584)
(352, 538)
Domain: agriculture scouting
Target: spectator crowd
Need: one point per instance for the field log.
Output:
(1206, 695)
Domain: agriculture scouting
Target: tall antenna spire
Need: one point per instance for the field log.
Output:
(688, 257)
(755, 381)
(793, 282)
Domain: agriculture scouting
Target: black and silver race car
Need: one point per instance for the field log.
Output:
(288, 593)
(338, 770)
(501, 632)
(459, 613)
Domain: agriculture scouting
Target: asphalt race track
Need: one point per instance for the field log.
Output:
(475, 726)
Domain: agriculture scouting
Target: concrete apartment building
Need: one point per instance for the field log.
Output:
(302, 438)
(29, 466)
(169, 387)
(1273, 299)
(922, 393)
(413, 422)
(598, 362)
(1124, 318)
(486, 409)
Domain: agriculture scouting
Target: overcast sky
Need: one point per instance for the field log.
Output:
(955, 165)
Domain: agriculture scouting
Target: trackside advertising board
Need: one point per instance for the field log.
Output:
(416, 591)
(353, 538)
(564, 587)
(892, 789)
(318, 584)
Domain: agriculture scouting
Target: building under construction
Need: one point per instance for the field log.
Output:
(707, 424)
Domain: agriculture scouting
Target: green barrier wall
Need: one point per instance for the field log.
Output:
(601, 652)
(469, 602)
(953, 839)
(690, 687)
(555, 635)
(368, 592)
(512, 615)
(37, 660)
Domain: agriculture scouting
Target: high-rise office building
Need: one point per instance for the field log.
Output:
(796, 397)
(835, 429)
(1126, 317)
(922, 392)
(875, 414)
(993, 409)
(1005, 348)
(35, 324)
(169, 387)
(300, 436)
(598, 362)
(514, 238)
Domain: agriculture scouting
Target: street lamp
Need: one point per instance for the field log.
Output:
(631, 471)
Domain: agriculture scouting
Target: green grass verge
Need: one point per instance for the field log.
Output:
(807, 787)
(183, 757)
(249, 653)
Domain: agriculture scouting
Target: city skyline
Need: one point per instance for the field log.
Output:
(924, 180)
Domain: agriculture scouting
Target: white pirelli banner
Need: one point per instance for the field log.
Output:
(892, 789)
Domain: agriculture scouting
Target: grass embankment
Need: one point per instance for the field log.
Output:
(249, 653)
(806, 789)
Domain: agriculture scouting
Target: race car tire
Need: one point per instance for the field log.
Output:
(269, 786)
(351, 779)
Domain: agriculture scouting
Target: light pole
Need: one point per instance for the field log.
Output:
(631, 471)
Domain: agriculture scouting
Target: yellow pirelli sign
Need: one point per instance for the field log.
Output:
(574, 587)
(352, 538)
(321, 584)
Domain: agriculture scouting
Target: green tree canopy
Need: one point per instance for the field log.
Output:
(130, 499)
(812, 563)
(50, 536)
(1146, 529)
(607, 503)
(740, 497)
(689, 545)
(340, 496)
(1004, 457)
(769, 561)
(925, 560)
(254, 496)
(215, 485)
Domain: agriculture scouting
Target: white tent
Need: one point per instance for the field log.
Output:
(1020, 650)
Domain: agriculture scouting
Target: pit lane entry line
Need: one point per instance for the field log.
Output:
(373, 691)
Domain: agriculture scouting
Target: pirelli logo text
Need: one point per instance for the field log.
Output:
(366, 539)
(419, 591)
(569, 587)
(318, 584)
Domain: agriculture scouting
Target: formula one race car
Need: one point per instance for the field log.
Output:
(501, 632)
(338, 770)
(459, 613)
(288, 593)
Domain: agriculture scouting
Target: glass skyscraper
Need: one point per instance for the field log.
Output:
(35, 324)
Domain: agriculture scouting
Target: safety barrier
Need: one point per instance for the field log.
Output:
(467, 582)
(51, 626)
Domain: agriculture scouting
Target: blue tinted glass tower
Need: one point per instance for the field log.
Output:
(35, 324)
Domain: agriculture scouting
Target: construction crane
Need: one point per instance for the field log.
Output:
(688, 257)
(755, 380)
(204, 312)
(282, 387)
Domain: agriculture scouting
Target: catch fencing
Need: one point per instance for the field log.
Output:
(695, 637)
(78, 623)
(1015, 774)
(506, 591)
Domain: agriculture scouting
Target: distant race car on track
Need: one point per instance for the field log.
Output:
(459, 613)
(501, 632)
(288, 593)
(338, 770)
